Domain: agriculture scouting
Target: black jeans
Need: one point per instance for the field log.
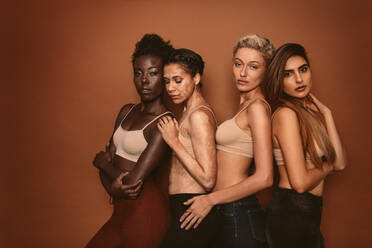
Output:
(202, 237)
(243, 224)
(293, 220)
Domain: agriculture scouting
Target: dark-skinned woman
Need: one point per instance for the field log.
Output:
(141, 216)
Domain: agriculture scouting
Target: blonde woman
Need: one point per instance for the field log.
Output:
(240, 140)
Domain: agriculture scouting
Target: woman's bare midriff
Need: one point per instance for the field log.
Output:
(231, 169)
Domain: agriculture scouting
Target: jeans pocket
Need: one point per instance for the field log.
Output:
(257, 224)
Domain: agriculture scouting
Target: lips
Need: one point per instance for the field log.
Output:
(300, 88)
(145, 91)
(242, 81)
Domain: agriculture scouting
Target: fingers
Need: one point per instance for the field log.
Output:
(189, 221)
(185, 214)
(175, 123)
(189, 201)
(198, 222)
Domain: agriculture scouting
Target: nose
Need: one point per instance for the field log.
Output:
(144, 78)
(169, 86)
(298, 77)
(243, 71)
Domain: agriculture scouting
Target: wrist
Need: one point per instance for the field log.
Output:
(173, 143)
(212, 198)
(326, 112)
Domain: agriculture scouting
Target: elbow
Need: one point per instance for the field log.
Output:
(299, 188)
(267, 181)
(208, 184)
(340, 166)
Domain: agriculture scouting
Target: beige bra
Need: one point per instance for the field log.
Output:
(231, 138)
(131, 143)
(278, 156)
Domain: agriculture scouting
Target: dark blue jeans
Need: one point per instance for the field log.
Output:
(242, 224)
(293, 220)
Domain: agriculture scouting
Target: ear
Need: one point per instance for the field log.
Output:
(196, 78)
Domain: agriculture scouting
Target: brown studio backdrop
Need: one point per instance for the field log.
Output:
(67, 72)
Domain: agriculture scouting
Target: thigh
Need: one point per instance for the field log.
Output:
(201, 237)
(108, 236)
(243, 229)
(293, 230)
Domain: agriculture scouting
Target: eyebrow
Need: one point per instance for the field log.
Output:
(254, 61)
(300, 67)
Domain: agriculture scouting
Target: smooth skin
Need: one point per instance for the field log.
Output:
(128, 182)
(297, 173)
(233, 182)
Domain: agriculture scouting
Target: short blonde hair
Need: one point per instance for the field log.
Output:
(258, 43)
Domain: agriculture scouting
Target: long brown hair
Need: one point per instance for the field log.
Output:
(312, 124)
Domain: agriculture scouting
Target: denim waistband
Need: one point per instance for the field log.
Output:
(249, 202)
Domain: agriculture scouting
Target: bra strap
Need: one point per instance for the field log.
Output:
(198, 107)
(128, 113)
(156, 118)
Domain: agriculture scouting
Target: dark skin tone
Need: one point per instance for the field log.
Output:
(121, 177)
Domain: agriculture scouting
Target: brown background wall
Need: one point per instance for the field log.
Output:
(66, 72)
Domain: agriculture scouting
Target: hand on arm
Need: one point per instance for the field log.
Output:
(150, 158)
(260, 125)
(202, 134)
(287, 129)
(340, 162)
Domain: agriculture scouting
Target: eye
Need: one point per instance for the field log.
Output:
(304, 69)
(287, 73)
(178, 81)
(166, 80)
(153, 73)
(253, 67)
(237, 64)
(137, 73)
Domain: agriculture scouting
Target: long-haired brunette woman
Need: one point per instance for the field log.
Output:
(140, 218)
(241, 139)
(193, 166)
(307, 148)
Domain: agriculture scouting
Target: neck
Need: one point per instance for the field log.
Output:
(195, 99)
(154, 107)
(251, 95)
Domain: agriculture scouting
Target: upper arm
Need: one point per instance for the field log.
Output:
(260, 125)
(287, 132)
(202, 133)
(151, 157)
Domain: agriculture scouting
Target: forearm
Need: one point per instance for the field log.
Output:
(202, 176)
(110, 171)
(310, 179)
(340, 162)
(106, 183)
(247, 187)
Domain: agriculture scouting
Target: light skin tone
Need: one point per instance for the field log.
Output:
(233, 182)
(123, 178)
(298, 173)
(195, 175)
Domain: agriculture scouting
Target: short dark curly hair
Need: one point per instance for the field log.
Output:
(152, 44)
(190, 61)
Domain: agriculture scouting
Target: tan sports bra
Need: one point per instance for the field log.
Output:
(231, 138)
(131, 143)
(278, 154)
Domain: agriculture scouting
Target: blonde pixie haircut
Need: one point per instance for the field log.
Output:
(261, 44)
